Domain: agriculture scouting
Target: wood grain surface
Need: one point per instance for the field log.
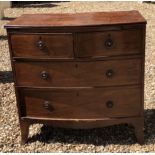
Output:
(77, 19)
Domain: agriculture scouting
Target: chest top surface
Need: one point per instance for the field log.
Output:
(77, 19)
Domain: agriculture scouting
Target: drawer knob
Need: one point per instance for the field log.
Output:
(109, 43)
(47, 105)
(40, 44)
(44, 75)
(109, 104)
(109, 73)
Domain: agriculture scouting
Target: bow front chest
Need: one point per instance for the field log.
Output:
(83, 70)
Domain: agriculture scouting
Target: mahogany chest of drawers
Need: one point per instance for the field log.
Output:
(82, 70)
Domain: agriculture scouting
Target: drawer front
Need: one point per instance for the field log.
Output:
(42, 45)
(109, 43)
(84, 103)
(75, 74)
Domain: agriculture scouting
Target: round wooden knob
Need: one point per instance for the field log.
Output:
(44, 75)
(40, 44)
(47, 105)
(109, 43)
(109, 104)
(109, 73)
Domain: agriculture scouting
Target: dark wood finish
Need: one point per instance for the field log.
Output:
(83, 123)
(109, 43)
(74, 29)
(139, 129)
(82, 104)
(79, 70)
(99, 73)
(78, 19)
(24, 126)
(42, 45)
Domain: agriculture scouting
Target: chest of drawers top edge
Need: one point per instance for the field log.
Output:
(77, 19)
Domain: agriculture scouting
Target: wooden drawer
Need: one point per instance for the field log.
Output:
(75, 74)
(82, 103)
(42, 45)
(110, 43)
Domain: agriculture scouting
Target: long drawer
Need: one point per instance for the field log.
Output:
(54, 45)
(110, 43)
(81, 103)
(75, 74)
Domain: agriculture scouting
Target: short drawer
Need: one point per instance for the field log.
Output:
(42, 45)
(81, 103)
(110, 43)
(75, 74)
